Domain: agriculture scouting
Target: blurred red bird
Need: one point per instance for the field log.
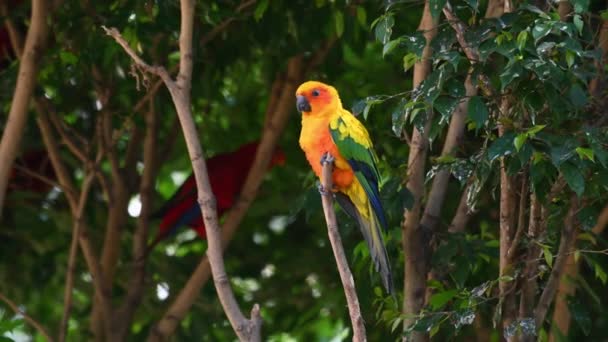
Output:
(227, 173)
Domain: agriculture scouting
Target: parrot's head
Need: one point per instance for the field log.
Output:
(316, 98)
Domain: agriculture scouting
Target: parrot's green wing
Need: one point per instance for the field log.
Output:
(354, 144)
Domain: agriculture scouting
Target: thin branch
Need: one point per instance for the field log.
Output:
(63, 175)
(124, 315)
(460, 28)
(521, 221)
(567, 241)
(26, 317)
(46, 180)
(69, 278)
(460, 219)
(336, 245)
(156, 70)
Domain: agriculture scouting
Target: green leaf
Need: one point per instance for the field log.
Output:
(445, 105)
(390, 46)
(580, 6)
(587, 216)
(260, 9)
(522, 37)
(532, 131)
(68, 58)
(439, 300)
(477, 111)
(585, 153)
(548, 256)
(501, 147)
(436, 7)
(600, 273)
(541, 30)
(409, 60)
(570, 57)
(339, 21)
(520, 140)
(581, 315)
(362, 16)
(577, 96)
(384, 28)
(573, 177)
(415, 43)
(578, 23)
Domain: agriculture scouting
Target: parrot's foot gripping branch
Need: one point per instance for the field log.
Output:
(326, 158)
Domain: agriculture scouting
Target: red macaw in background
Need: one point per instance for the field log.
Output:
(36, 161)
(227, 173)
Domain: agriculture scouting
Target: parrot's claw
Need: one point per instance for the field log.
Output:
(324, 191)
(327, 158)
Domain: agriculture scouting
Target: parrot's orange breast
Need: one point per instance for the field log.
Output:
(316, 140)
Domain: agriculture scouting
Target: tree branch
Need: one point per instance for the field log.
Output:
(336, 245)
(26, 81)
(26, 317)
(415, 237)
(69, 278)
(124, 315)
(280, 106)
(566, 244)
(246, 329)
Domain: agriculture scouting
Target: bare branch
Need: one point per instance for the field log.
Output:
(460, 28)
(26, 317)
(462, 213)
(124, 315)
(156, 70)
(521, 221)
(26, 81)
(453, 140)
(272, 129)
(336, 245)
(101, 293)
(566, 244)
(415, 237)
(69, 278)
(246, 329)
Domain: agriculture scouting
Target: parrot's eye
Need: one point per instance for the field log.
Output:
(315, 92)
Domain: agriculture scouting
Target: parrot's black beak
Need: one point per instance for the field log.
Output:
(302, 104)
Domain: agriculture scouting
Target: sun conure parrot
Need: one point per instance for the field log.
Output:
(227, 173)
(328, 127)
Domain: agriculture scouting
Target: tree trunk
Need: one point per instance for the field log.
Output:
(415, 238)
(26, 80)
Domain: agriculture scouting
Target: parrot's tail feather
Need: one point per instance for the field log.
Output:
(372, 232)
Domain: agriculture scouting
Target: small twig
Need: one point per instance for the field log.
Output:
(336, 244)
(521, 221)
(69, 278)
(460, 28)
(26, 317)
(38, 176)
(156, 70)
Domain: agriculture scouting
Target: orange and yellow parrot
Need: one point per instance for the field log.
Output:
(328, 127)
